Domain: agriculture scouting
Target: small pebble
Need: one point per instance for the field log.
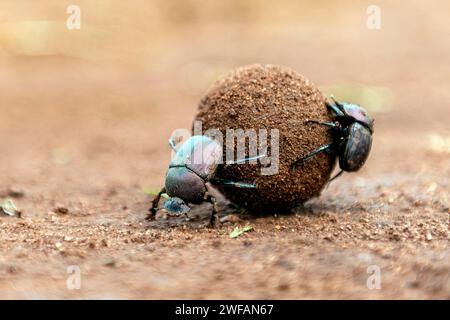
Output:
(109, 262)
(61, 210)
(14, 192)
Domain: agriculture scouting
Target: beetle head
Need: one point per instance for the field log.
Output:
(358, 113)
(176, 205)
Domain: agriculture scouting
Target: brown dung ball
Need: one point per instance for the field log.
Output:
(271, 97)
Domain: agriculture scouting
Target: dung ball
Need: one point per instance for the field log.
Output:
(272, 98)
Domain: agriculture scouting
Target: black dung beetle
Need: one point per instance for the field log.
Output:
(352, 131)
(193, 167)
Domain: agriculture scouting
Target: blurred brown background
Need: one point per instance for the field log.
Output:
(85, 116)
(150, 62)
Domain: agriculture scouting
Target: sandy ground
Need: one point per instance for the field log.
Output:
(89, 138)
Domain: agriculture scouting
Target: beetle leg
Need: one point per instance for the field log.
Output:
(336, 176)
(324, 148)
(340, 105)
(328, 124)
(335, 108)
(154, 207)
(214, 214)
(233, 183)
(334, 99)
(239, 161)
(335, 126)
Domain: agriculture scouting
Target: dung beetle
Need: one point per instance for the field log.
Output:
(352, 131)
(190, 172)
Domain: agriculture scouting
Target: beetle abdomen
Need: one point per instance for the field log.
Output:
(357, 148)
(185, 184)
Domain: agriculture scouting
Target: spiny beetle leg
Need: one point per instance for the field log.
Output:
(335, 108)
(335, 127)
(214, 214)
(340, 105)
(155, 201)
(323, 148)
(336, 176)
(232, 183)
(328, 124)
(243, 160)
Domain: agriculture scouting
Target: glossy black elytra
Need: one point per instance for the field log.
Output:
(352, 137)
